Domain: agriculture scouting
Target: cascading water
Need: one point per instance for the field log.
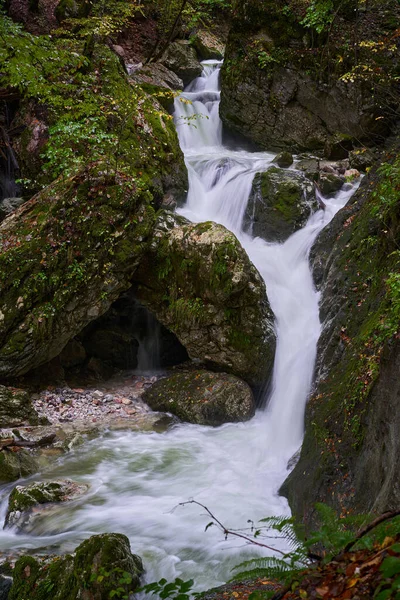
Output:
(138, 479)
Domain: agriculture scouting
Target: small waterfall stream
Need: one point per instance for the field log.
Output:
(137, 479)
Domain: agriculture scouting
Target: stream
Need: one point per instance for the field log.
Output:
(138, 479)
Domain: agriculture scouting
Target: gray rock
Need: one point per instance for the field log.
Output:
(330, 183)
(158, 75)
(14, 465)
(181, 58)
(202, 397)
(199, 282)
(23, 499)
(280, 203)
(283, 159)
(16, 408)
(9, 205)
(207, 45)
(362, 158)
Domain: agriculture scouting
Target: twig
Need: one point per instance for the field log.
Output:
(227, 532)
(385, 517)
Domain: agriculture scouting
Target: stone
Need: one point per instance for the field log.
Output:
(16, 408)
(202, 397)
(283, 159)
(207, 45)
(280, 203)
(181, 58)
(24, 499)
(9, 205)
(199, 282)
(14, 465)
(330, 183)
(119, 50)
(156, 74)
(5, 586)
(362, 158)
(80, 575)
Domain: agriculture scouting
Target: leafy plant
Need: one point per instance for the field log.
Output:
(177, 590)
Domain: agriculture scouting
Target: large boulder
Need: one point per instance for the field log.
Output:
(93, 573)
(351, 450)
(199, 282)
(207, 45)
(202, 397)
(16, 408)
(280, 203)
(181, 58)
(24, 499)
(72, 249)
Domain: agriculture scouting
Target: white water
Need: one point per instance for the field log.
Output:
(138, 479)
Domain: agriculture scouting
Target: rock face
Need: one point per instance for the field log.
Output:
(14, 465)
(82, 575)
(271, 89)
(351, 449)
(25, 498)
(200, 283)
(181, 58)
(203, 398)
(280, 203)
(16, 408)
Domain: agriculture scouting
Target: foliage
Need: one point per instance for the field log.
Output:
(319, 15)
(177, 590)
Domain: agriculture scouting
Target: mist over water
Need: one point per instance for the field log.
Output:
(138, 479)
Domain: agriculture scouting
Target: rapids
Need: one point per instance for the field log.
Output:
(138, 478)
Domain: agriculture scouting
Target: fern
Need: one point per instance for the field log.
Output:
(266, 567)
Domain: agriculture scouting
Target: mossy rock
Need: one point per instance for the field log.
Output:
(14, 465)
(16, 408)
(199, 282)
(202, 397)
(181, 58)
(93, 573)
(65, 256)
(24, 498)
(280, 203)
(207, 45)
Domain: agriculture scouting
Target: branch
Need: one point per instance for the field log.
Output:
(385, 517)
(227, 532)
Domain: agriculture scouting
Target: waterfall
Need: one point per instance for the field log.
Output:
(138, 479)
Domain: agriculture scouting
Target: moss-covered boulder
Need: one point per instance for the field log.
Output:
(207, 45)
(16, 408)
(93, 573)
(14, 465)
(181, 58)
(202, 397)
(351, 449)
(65, 256)
(25, 498)
(280, 203)
(199, 282)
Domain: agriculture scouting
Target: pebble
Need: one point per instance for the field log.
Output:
(120, 398)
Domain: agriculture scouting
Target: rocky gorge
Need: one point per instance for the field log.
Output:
(163, 262)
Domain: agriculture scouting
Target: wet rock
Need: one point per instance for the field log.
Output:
(280, 203)
(23, 499)
(5, 586)
(203, 398)
(181, 58)
(330, 183)
(157, 74)
(207, 45)
(16, 408)
(81, 575)
(338, 147)
(199, 282)
(362, 158)
(14, 465)
(283, 159)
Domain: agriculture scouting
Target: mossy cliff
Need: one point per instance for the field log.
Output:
(291, 80)
(200, 283)
(351, 450)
